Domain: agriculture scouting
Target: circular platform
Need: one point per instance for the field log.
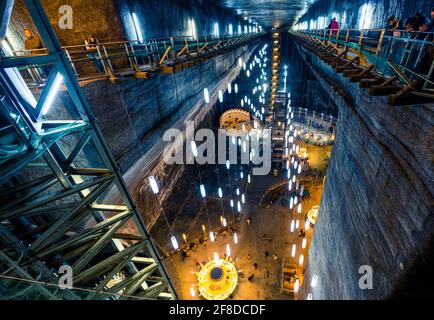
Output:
(235, 120)
(217, 280)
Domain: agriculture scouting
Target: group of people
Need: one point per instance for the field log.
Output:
(421, 27)
(418, 23)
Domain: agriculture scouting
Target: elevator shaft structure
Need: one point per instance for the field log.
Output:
(69, 228)
(275, 67)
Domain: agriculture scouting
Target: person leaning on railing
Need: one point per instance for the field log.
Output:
(422, 27)
(92, 44)
(32, 42)
(33, 45)
(393, 26)
(418, 23)
(428, 26)
(428, 58)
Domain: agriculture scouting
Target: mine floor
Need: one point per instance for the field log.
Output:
(269, 231)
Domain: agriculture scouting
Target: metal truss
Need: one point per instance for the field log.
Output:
(63, 200)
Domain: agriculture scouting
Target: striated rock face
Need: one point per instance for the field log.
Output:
(172, 18)
(365, 14)
(376, 208)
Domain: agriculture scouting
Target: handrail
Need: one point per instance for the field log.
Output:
(112, 58)
(381, 47)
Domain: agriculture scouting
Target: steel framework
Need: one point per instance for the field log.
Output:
(57, 177)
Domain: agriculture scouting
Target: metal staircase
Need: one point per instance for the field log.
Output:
(58, 185)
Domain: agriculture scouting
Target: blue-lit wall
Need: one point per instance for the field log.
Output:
(371, 13)
(112, 20)
(171, 18)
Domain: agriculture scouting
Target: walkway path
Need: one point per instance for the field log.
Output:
(269, 231)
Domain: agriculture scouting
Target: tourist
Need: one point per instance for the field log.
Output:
(92, 45)
(256, 266)
(393, 26)
(416, 23)
(411, 25)
(334, 25)
(431, 23)
(428, 25)
(428, 58)
(422, 21)
(32, 42)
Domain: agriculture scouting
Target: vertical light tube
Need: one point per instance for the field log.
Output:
(52, 93)
(137, 27)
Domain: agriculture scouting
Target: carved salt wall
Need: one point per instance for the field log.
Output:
(376, 208)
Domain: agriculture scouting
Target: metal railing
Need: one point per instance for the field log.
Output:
(316, 120)
(117, 58)
(384, 49)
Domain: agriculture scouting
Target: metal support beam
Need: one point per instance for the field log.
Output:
(6, 7)
(69, 219)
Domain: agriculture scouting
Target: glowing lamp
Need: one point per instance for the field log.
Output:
(154, 185)
(206, 95)
(192, 292)
(202, 191)
(296, 285)
(301, 260)
(304, 243)
(174, 242)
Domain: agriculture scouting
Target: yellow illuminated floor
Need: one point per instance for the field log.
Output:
(217, 280)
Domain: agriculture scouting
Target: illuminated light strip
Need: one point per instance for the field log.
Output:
(154, 185)
(174, 242)
(52, 93)
(206, 95)
(137, 27)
